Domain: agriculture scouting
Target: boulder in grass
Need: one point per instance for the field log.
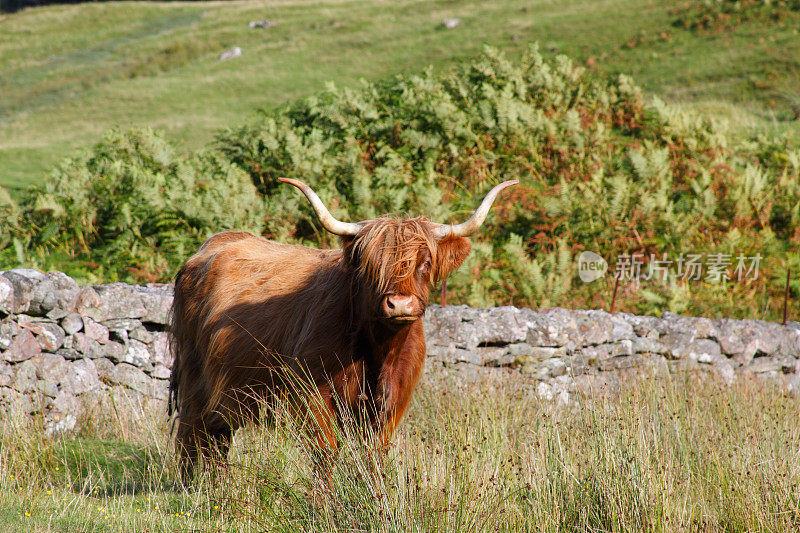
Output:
(229, 54)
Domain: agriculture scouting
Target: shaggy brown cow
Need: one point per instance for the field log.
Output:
(246, 309)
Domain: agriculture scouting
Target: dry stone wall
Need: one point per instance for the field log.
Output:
(66, 349)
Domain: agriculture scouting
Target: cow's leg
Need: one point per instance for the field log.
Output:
(323, 415)
(395, 388)
(186, 442)
(216, 443)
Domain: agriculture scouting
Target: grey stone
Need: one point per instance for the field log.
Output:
(157, 300)
(648, 345)
(50, 367)
(122, 301)
(543, 370)
(8, 329)
(66, 403)
(159, 389)
(451, 324)
(69, 354)
(679, 346)
(72, 323)
(491, 355)
(545, 391)
(14, 401)
(135, 353)
(51, 337)
(499, 326)
(555, 367)
(693, 327)
(95, 331)
(60, 424)
(558, 327)
(544, 352)
(520, 348)
(643, 326)
(761, 365)
(43, 298)
(24, 379)
(621, 329)
(66, 300)
(24, 283)
(23, 346)
(48, 388)
(113, 350)
(506, 360)
(595, 354)
(725, 371)
(622, 362)
(261, 24)
(113, 301)
(81, 377)
(62, 281)
(119, 335)
(6, 371)
(736, 336)
(133, 378)
(142, 335)
(128, 324)
(451, 22)
(439, 353)
(467, 356)
(549, 328)
(105, 370)
(705, 351)
(8, 303)
(57, 313)
(87, 346)
(790, 341)
(793, 385)
(160, 372)
(789, 365)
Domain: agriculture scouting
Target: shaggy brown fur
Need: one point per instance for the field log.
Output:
(247, 309)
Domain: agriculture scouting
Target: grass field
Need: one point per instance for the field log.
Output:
(666, 453)
(69, 73)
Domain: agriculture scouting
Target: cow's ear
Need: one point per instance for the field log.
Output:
(450, 253)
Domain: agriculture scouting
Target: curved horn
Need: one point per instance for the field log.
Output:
(337, 227)
(471, 226)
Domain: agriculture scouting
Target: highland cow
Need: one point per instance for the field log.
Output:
(246, 310)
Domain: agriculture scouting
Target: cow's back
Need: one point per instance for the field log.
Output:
(245, 306)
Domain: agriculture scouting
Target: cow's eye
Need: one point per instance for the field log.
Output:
(426, 266)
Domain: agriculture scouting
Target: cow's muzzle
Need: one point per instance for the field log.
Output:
(398, 308)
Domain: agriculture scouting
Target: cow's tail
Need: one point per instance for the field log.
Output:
(177, 347)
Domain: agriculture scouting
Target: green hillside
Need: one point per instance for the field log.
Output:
(69, 73)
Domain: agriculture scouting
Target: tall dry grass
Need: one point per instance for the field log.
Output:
(664, 453)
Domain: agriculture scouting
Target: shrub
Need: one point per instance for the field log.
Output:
(132, 209)
(599, 167)
(721, 15)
